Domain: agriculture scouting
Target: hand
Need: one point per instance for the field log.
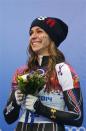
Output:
(19, 97)
(30, 101)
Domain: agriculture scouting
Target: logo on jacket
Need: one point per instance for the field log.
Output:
(60, 72)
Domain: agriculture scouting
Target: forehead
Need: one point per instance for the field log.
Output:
(36, 28)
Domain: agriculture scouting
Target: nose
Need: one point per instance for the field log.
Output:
(34, 35)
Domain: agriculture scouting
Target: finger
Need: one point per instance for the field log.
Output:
(20, 98)
(29, 96)
(20, 95)
(29, 102)
(19, 91)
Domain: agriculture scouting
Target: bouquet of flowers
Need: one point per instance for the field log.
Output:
(31, 83)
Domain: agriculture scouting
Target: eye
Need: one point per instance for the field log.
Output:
(30, 32)
(39, 30)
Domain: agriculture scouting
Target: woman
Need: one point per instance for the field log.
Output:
(62, 89)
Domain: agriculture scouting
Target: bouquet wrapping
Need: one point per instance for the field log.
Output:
(31, 83)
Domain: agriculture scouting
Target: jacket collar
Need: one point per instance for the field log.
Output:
(43, 61)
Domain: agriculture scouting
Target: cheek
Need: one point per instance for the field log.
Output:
(46, 40)
(44, 37)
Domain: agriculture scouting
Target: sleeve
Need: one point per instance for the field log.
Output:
(73, 99)
(11, 110)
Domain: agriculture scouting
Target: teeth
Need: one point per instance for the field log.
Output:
(34, 43)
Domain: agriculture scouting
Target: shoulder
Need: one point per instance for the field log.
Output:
(65, 68)
(61, 67)
(22, 69)
(67, 76)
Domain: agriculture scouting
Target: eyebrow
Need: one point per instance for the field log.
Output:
(37, 28)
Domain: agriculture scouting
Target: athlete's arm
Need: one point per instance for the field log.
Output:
(72, 96)
(73, 116)
(12, 109)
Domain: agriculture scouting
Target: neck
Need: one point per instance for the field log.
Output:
(40, 58)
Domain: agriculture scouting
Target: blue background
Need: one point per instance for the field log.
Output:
(15, 19)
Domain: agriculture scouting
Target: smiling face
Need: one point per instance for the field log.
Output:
(39, 41)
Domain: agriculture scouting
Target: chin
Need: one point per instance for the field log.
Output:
(36, 50)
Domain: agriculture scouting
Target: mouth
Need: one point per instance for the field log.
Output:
(34, 43)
